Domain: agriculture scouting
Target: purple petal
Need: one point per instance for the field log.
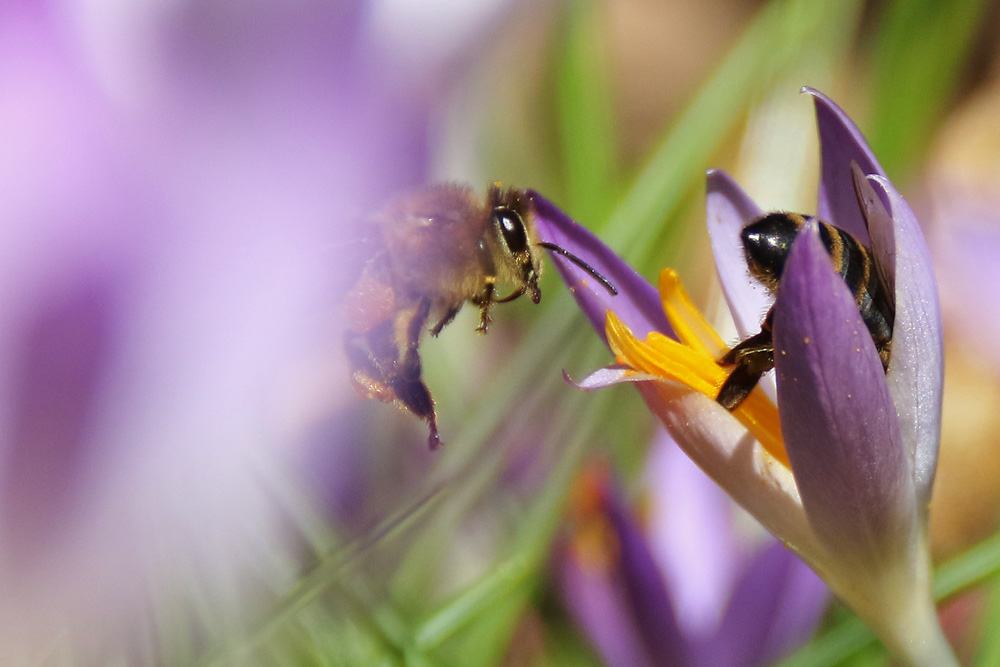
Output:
(594, 597)
(804, 599)
(837, 414)
(774, 608)
(692, 534)
(637, 303)
(645, 590)
(841, 142)
(916, 370)
(729, 210)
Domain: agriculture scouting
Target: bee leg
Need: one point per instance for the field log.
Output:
(378, 373)
(407, 384)
(484, 301)
(446, 320)
(738, 386)
(751, 358)
(411, 357)
(415, 396)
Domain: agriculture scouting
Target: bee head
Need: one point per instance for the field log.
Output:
(509, 216)
(766, 242)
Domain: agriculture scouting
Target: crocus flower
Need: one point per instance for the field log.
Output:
(841, 470)
(688, 588)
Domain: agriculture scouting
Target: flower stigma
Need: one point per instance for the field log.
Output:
(692, 360)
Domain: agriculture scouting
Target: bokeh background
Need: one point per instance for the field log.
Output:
(186, 476)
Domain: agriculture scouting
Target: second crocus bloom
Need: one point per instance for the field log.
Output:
(842, 470)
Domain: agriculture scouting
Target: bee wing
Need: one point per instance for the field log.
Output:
(880, 232)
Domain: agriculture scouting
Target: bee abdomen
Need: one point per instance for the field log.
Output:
(855, 265)
(850, 259)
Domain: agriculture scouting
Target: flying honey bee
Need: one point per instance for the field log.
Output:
(767, 242)
(431, 250)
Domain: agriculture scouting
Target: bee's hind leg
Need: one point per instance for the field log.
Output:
(407, 383)
(411, 368)
(415, 396)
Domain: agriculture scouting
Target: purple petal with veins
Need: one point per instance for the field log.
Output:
(637, 303)
(837, 416)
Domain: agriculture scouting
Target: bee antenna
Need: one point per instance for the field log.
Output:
(582, 264)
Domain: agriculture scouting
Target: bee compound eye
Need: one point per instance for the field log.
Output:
(511, 228)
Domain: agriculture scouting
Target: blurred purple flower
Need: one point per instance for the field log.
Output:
(177, 186)
(846, 477)
(690, 588)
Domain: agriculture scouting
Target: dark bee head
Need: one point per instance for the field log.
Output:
(766, 242)
(509, 216)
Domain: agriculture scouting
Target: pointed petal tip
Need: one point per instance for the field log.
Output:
(717, 180)
(608, 376)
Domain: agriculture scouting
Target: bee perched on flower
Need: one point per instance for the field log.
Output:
(835, 453)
